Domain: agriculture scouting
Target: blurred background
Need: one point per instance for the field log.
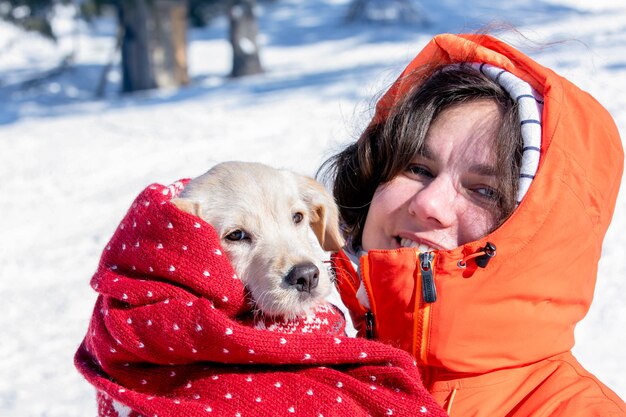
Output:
(100, 98)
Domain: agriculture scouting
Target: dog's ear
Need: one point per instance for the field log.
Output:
(187, 205)
(323, 212)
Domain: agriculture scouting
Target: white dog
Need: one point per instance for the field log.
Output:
(268, 221)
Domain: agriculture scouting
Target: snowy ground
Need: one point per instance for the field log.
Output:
(70, 165)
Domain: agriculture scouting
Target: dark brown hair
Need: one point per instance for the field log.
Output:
(387, 147)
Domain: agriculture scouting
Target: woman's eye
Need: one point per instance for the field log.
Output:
(237, 235)
(487, 193)
(420, 171)
(297, 217)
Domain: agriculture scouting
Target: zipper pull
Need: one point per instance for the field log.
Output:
(429, 292)
(369, 324)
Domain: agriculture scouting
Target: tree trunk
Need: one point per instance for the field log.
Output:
(154, 46)
(243, 38)
(170, 50)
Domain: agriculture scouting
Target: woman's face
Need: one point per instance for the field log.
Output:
(446, 196)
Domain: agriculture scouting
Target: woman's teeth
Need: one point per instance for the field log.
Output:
(408, 243)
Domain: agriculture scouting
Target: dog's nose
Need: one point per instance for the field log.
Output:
(304, 277)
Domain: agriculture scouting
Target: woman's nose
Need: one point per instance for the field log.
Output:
(434, 203)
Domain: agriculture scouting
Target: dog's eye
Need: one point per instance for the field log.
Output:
(237, 235)
(297, 217)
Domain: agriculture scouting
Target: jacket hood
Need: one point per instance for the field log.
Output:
(523, 306)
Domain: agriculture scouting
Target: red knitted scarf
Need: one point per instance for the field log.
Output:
(171, 335)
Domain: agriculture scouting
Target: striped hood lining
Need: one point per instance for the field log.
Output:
(530, 109)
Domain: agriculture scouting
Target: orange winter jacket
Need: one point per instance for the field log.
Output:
(497, 340)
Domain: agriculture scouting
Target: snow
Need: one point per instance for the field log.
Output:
(71, 164)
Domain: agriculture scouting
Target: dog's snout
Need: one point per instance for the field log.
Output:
(304, 277)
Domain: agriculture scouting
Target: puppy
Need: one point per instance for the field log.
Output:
(271, 225)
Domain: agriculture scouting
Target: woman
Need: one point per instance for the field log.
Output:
(475, 204)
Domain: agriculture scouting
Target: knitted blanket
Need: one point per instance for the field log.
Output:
(172, 335)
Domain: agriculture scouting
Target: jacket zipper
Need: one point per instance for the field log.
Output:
(421, 321)
(429, 295)
(369, 324)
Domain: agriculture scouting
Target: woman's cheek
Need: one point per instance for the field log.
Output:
(476, 223)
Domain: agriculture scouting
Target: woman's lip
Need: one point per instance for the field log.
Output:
(417, 240)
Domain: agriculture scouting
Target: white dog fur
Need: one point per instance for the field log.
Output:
(272, 226)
